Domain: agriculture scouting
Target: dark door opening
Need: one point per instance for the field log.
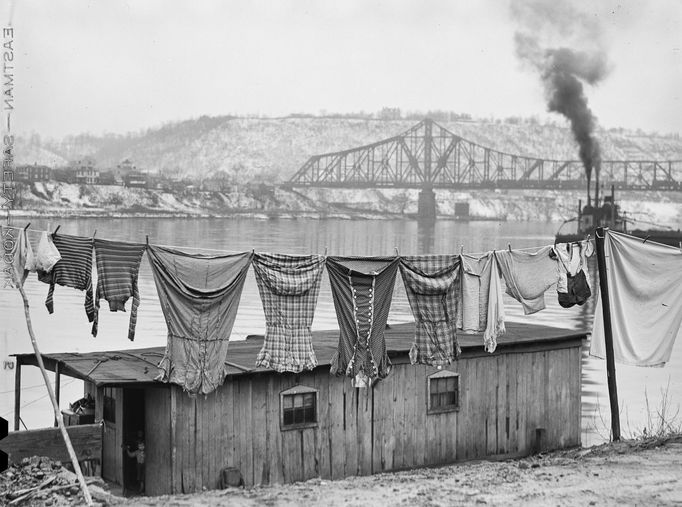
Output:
(133, 434)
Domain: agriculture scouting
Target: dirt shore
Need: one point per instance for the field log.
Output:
(643, 472)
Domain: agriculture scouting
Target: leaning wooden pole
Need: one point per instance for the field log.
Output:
(608, 334)
(55, 405)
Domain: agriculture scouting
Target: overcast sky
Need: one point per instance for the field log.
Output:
(118, 66)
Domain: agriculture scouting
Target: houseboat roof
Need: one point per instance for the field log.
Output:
(119, 367)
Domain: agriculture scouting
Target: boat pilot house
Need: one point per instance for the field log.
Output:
(267, 427)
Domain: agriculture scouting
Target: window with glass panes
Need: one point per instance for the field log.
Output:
(443, 392)
(299, 408)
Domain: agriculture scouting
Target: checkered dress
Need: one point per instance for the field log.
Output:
(432, 284)
(289, 286)
(362, 288)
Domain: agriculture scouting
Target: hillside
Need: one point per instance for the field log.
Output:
(273, 149)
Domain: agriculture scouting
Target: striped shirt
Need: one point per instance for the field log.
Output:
(289, 286)
(432, 285)
(73, 270)
(118, 265)
(362, 288)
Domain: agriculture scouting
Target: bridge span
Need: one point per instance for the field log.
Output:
(428, 156)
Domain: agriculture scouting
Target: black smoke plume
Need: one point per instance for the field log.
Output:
(564, 70)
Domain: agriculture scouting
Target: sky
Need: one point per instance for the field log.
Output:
(120, 66)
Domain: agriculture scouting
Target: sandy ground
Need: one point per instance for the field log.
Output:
(628, 473)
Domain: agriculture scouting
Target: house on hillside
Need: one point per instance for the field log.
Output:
(86, 172)
(136, 179)
(31, 173)
(281, 428)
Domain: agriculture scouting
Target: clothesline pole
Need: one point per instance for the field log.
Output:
(608, 335)
(55, 405)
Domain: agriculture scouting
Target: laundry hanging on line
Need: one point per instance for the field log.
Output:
(118, 265)
(432, 284)
(476, 307)
(573, 287)
(74, 269)
(199, 297)
(480, 307)
(645, 292)
(17, 255)
(528, 275)
(289, 286)
(362, 289)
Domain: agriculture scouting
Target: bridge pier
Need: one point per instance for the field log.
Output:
(426, 205)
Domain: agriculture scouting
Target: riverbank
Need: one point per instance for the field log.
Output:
(636, 472)
(54, 199)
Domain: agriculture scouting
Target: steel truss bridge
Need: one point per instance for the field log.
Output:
(430, 156)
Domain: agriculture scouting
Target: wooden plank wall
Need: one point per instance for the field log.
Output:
(503, 399)
(86, 440)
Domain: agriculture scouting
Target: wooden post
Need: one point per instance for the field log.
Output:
(55, 405)
(57, 386)
(17, 395)
(608, 334)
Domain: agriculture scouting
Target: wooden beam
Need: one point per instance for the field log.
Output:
(17, 395)
(608, 334)
(57, 413)
(86, 440)
(57, 386)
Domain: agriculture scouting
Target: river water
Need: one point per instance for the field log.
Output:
(68, 329)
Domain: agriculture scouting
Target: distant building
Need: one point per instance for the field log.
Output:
(64, 175)
(136, 179)
(86, 172)
(126, 166)
(107, 178)
(31, 173)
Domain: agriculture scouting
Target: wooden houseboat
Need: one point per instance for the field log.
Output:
(282, 428)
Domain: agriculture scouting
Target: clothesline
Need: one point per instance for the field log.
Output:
(446, 293)
(200, 249)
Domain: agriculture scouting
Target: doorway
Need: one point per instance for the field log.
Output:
(133, 433)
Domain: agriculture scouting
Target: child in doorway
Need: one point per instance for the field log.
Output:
(138, 454)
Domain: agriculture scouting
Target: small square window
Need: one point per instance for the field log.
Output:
(298, 407)
(443, 390)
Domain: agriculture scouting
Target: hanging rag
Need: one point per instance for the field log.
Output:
(573, 286)
(645, 292)
(17, 255)
(118, 265)
(362, 289)
(432, 284)
(480, 307)
(74, 269)
(46, 255)
(199, 296)
(572, 259)
(289, 286)
(528, 276)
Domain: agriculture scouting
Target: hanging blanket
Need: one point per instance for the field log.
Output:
(431, 284)
(289, 286)
(645, 292)
(17, 255)
(362, 288)
(74, 269)
(118, 265)
(199, 296)
(528, 276)
(480, 306)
